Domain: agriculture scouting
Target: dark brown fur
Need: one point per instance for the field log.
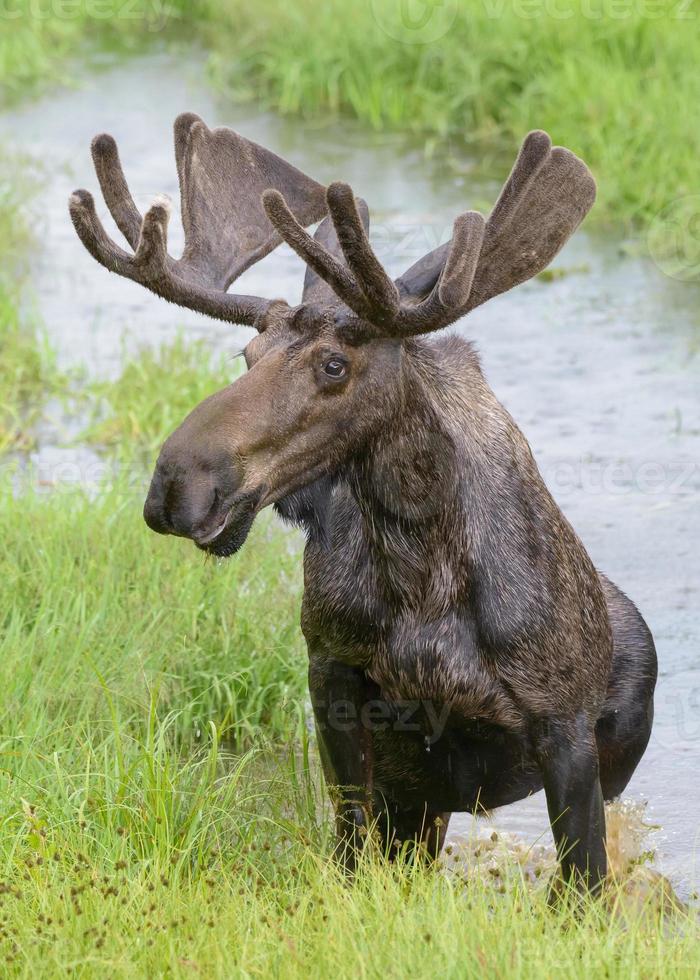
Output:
(463, 650)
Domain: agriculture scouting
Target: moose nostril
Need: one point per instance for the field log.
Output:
(154, 513)
(215, 502)
(189, 503)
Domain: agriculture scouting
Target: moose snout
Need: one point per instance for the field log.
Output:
(191, 503)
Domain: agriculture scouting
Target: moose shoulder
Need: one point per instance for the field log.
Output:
(463, 650)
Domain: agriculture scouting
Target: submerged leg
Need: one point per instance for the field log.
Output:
(568, 758)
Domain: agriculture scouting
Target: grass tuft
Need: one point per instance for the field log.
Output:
(622, 90)
(154, 392)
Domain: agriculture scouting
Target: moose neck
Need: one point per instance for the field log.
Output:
(408, 481)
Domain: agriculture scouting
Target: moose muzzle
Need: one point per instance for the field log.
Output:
(192, 502)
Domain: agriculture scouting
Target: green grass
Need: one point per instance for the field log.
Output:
(43, 44)
(621, 91)
(285, 913)
(155, 391)
(29, 372)
(161, 804)
(122, 608)
(617, 83)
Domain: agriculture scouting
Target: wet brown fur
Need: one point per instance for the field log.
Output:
(441, 579)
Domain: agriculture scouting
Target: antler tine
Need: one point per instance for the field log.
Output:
(455, 283)
(150, 264)
(115, 189)
(152, 249)
(450, 293)
(379, 290)
(314, 254)
(222, 176)
(147, 265)
(93, 236)
(533, 154)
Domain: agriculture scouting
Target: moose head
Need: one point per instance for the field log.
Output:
(324, 376)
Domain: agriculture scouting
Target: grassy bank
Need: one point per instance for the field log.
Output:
(29, 372)
(616, 82)
(620, 90)
(161, 804)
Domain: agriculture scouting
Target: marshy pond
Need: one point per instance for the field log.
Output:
(599, 363)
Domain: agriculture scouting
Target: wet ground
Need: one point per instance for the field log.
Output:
(600, 367)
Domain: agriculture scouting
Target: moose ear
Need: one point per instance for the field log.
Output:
(316, 289)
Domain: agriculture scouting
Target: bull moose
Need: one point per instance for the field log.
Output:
(439, 572)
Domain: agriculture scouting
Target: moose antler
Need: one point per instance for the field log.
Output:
(222, 176)
(546, 196)
(363, 285)
(240, 200)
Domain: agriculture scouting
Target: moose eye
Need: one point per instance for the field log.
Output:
(335, 368)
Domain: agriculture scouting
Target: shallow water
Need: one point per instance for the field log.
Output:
(601, 368)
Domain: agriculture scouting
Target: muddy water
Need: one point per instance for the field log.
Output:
(600, 367)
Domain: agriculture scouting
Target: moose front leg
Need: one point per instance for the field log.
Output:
(338, 693)
(568, 758)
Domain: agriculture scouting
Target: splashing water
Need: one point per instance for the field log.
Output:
(499, 858)
(628, 833)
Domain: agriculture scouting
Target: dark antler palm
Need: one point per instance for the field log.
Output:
(222, 176)
(548, 193)
(239, 201)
